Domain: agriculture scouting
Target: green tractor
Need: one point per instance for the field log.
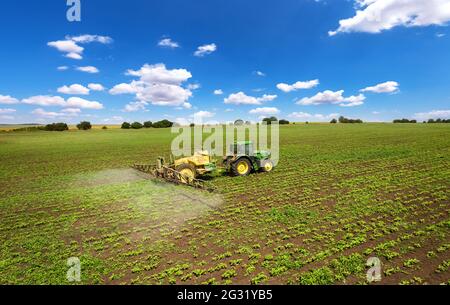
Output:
(244, 160)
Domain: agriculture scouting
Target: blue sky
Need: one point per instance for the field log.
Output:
(304, 60)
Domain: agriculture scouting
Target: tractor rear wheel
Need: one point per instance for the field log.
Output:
(187, 171)
(242, 167)
(267, 166)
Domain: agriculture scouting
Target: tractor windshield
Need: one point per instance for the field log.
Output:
(243, 149)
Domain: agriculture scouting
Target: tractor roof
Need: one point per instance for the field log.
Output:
(244, 143)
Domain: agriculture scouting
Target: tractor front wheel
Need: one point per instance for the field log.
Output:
(267, 166)
(242, 167)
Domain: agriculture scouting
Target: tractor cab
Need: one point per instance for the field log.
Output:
(244, 159)
(245, 148)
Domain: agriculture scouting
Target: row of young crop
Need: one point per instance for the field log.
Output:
(221, 225)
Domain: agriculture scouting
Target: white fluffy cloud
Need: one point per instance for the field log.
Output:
(90, 38)
(164, 95)
(72, 106)
(387, 87)
(62, 68)
(75, 89)
(260, 73)
(53, 114)
(41, 112)
(88, 69)
(77, 102)
(353, 101)
(74, 56)
(71, 111)
(70, 46)
(45, 100)
(124, 88)
(218, 92)
(9, 100)
(73, 102)
(331, 97)
(265, 111)
(200, 116)
(160, 74)
(205, 50)
(7, 110)
(168, 43)
(157, 85)
(435, 114)
(241, 98)
(375, 16)
(194, 86)
(298, 85)
(313, 117)
(204, 114)
(135, 106)
(96, 87)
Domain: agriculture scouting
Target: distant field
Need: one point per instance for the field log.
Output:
(71, 127)
(341, 194)
(11, 127)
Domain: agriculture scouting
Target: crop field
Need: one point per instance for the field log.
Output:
(340, 195)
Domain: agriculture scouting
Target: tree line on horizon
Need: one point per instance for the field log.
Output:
(239, 122)
(147, 124)
(344, 120)
(168, 124)
(430, 121)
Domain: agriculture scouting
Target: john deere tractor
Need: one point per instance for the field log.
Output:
(243, 159)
